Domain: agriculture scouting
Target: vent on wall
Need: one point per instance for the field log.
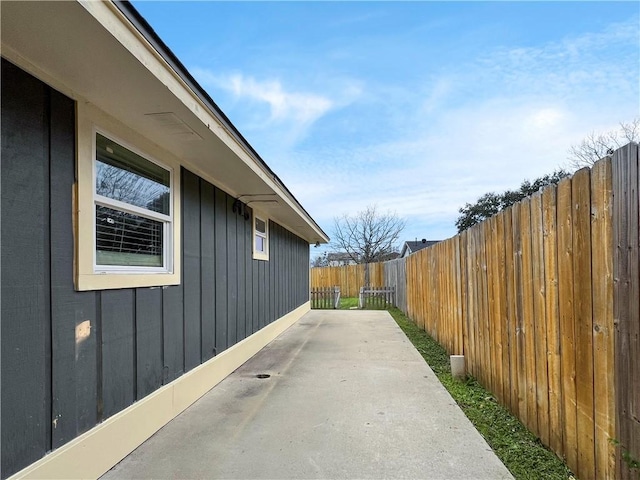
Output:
(173, 125)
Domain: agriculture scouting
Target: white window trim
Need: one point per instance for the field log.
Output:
(258, 255)
(88, 275)
(167, 220)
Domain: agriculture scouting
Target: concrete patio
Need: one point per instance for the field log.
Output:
(347, 396)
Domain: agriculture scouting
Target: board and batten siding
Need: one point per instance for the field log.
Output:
(56, 385)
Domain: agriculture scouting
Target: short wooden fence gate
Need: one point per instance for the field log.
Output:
(376, 297)
(325, 297)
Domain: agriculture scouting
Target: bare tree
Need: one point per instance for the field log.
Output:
(320, 261)
(368, 235)
(598, 145)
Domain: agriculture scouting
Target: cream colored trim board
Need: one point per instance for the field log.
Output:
(90, 120)
(95, 452)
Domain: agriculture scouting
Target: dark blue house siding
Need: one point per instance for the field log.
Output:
(54, 387)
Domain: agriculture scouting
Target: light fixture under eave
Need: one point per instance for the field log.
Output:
(240, 208)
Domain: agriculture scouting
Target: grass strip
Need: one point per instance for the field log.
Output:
(348, 303)
(351, 303)
(520, 451)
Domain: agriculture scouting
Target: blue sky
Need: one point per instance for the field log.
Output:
(416, 107)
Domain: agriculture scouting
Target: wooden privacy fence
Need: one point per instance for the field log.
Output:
(350, 277)
(543, 300)
(526, 296)
(395, 274)
(325, 297)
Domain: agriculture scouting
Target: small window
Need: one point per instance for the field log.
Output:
(132, 211)
(260, 238)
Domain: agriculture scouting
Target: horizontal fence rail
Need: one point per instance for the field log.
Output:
(529, 298)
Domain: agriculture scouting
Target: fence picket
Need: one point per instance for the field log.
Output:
(539, 319)
(510, 290)
(528, 313)
(501, 309)
(583, 314)
(602, 287)
(567, 322)
(552, 320)
(521, 360)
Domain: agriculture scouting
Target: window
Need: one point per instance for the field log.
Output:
(127, 204)
(260, 238)
(132, 210)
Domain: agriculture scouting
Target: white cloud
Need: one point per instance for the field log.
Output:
(437, 95)
(604, 62)
(440, 165)
(482, 126)
(290, 112)
(285, 106)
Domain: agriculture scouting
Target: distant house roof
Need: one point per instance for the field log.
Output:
(339, 257)
(389, 256)
(343, 258)
(410, 247)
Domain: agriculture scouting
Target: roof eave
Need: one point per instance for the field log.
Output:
(145, 29)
